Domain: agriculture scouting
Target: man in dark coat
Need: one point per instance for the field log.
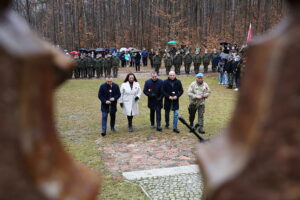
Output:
(153, 90)
(172, 89)
(108, 94)
(145, 57)
(151, 55)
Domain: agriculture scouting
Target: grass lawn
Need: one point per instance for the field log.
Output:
(78, 121)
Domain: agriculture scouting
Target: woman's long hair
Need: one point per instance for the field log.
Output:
(127, 77)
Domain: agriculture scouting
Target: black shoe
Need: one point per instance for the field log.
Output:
(113, 129)
(159, 129)
(167, 126)
(130, 129)
(200, 130)
(103, 134)
(176, 130)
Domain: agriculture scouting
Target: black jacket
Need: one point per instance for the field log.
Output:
(153, 90)
(105, 93)
(172, 88)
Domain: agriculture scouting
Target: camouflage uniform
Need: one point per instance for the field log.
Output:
(83, 69)
(206, 61)
(196, 89)
(187, 59)
(99, 67)
(156, 63)
(197, 59)
(177, 61)
(77, 69)
(168, 64)
(115, 66)
(107, 66)
(90, 67)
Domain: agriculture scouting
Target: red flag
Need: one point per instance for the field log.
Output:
(249, 37)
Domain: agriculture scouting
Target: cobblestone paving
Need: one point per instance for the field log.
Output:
(179, 187)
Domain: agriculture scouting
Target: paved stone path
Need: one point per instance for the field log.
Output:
(169, 183)
(136, 154)
(151, 154)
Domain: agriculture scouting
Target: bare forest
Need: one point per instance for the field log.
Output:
(73, 24)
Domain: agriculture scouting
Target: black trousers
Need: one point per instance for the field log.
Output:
(145, 61)
(158, 117)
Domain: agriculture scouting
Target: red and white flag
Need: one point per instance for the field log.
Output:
(249, 37)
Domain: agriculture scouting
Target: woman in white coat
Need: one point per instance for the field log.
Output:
(130, 95)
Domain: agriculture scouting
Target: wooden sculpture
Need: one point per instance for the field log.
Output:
(33, 163)
(257, 157)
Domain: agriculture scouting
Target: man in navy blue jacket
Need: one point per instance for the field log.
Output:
(172, 89)
(108, 94)
(153, 90)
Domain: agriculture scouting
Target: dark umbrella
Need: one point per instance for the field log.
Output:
(112, 49)
(84, 49)
(100, 50)
(224, 43)
(92, 50)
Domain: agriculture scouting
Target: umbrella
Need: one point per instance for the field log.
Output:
(100, 50)
(135, 51)
(172, 42)
(74, 53)
(112, 49)
(224, 43)
(83, 49)
(123, 49)
(92, 50)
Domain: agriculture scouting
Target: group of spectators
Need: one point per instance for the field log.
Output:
(160, 93)
(226, 61)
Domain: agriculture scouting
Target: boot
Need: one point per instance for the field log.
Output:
(200, 130)
(130, 129)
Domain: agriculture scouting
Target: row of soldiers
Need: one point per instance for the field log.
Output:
(187, 59)
(88, 67)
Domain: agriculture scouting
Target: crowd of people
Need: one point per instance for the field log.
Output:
(227, 61)
(160, 93)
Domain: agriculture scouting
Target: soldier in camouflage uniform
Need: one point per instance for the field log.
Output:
(156, 62)
(77, 69)
(82, 66)
(107, 65)
(90, 67)
(187, 59)
(206, 60)
(177, 61)
(197, 59)
(214, 55)
(168, 63)
(99, 65)
(115, 66)
(198, 92)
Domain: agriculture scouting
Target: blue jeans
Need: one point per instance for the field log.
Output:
(104, 120)
(175, 118)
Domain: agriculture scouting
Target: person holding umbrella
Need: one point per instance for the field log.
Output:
(130, 95)
(108, 94)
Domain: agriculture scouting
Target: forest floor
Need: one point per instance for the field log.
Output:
(78, 121)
